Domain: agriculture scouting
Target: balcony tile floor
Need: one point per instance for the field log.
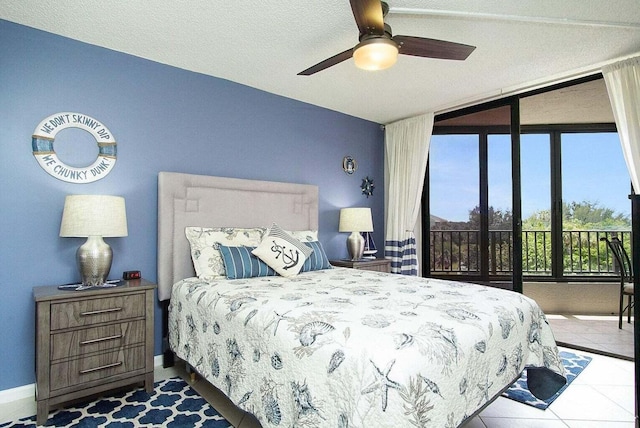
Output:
(597, 333)
(602, 396)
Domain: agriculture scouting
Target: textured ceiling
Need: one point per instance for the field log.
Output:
(265, 43)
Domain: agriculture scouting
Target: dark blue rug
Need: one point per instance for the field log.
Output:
(173, 403)
(573, 364)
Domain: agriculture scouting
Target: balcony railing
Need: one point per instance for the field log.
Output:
(459, 252)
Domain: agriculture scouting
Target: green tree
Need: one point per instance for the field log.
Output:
(498, 219)
(539, 220)
(583, 223)
(587, 214)
(579, 215)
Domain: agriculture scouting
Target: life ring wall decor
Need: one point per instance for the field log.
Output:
(43, 150)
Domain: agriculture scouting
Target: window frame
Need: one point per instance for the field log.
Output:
(515, 129)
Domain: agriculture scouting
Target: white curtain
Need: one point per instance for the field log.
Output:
(406, 153)
(623, 86)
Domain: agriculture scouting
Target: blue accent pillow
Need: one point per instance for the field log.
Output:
(318, 259)
(240, 263)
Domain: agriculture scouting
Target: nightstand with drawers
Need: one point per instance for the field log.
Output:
(378, 265)
(91, 341)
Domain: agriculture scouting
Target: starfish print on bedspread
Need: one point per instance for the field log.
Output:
(484, 389)
(276, 321)
(382, 383)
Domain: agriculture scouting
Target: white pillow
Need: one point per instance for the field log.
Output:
(282, 252)
(206, 257)
(304, 235)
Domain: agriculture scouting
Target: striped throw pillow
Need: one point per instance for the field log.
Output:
(240, 263)
(318, 260)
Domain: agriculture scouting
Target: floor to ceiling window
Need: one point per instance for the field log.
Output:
(573, 189)
(469, 196)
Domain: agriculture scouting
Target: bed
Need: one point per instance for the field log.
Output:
(337, 347)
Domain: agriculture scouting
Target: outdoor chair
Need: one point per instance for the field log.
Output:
(623, 264)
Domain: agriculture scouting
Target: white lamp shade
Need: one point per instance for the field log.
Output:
(355, 220)
(93, 215)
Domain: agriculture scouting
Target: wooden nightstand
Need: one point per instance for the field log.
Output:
(92, 341)
(378, 265)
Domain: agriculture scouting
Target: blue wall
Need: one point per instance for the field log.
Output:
(164, 119)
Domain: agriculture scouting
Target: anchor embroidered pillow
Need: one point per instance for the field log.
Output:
(282, 252)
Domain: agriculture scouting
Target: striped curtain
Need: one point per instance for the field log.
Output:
(406, 152)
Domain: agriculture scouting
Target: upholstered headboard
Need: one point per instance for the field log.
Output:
(200, 200)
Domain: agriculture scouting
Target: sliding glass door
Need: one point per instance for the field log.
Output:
(570, 188)
(470, 196)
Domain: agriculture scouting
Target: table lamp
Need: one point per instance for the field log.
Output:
(94, 217)
(355, 220)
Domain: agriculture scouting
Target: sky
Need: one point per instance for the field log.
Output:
(593, 170)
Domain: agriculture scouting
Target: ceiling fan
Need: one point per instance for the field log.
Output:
(378, 48)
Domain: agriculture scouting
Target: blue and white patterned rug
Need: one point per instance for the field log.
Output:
(173, 403)
(573, 364)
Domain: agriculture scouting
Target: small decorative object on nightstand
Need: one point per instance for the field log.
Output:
(370, 249)
(92, 341)
(377, 265)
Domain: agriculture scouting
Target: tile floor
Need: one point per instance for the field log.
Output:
(602, 396)
(591, 332)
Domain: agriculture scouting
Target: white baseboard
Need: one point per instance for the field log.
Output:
(157, 361)
(25, 391)
(17, 393)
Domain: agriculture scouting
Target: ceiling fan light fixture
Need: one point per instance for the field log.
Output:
(375, 53)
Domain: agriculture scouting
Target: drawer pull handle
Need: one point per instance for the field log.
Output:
(107, 366)
(102, 339)
(102, 311)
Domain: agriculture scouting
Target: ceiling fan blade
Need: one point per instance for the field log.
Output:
(368, 15)
(432, 48)
(329, 62)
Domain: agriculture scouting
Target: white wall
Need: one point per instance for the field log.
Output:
(575, 298)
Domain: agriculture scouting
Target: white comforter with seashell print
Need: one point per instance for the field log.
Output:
(350, 348)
